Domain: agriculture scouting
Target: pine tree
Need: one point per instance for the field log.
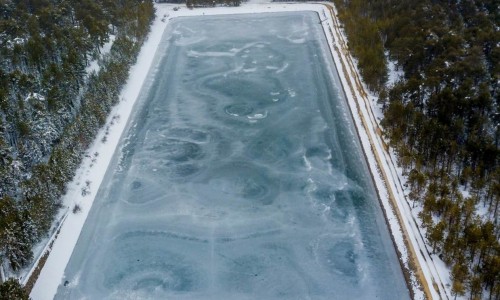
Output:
(12, 290)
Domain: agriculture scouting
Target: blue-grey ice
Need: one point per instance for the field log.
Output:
(240, 176)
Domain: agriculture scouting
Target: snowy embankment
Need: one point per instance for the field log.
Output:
(82, 190)
(40, 250)
(403, 221)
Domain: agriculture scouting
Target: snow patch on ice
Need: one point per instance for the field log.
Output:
(283, 68)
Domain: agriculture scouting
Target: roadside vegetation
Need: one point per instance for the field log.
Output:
(442, 120)
(52, 104)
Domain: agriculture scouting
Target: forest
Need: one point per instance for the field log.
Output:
(441, 118)
(52, 104)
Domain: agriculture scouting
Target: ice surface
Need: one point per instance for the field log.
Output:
(240, 177)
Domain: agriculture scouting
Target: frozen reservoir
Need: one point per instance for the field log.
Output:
(240, 176)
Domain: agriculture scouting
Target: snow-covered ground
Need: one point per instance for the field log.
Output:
(93, 65)
(82, 190)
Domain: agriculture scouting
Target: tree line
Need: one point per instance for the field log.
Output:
(212, 3)
(442, 120)
(51, 106)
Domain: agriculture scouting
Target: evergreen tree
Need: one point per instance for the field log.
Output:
(12, 290)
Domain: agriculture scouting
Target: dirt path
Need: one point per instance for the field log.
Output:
(380, 151)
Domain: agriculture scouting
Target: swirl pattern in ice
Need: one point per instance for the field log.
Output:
(240, 177)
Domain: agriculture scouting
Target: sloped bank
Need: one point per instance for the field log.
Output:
(421, 268)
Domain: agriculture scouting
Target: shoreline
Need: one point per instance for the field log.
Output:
(52, 273)
(404, 268)
(419, 259)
